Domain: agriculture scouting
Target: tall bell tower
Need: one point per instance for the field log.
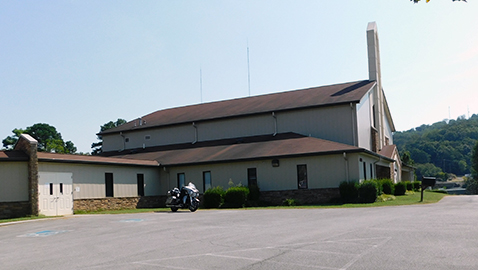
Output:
(374, 73)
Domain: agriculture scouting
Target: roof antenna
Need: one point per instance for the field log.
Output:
(248, 69)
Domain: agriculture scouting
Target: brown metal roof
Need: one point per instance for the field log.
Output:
(293, 146)
(305, 98)
(388, 151)
(53, 157)
(14, 155)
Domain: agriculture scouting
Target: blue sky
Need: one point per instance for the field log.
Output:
(79, 64)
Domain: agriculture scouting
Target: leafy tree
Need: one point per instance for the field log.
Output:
(475, 161)
(97, 146)
(472, 182)
(49, 139)
(406, 158)
(446, 144)
(10, 141)
(427, 170)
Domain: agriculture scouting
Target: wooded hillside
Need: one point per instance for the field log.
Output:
(440, 147)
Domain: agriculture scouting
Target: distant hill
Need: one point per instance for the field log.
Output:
(444, 146)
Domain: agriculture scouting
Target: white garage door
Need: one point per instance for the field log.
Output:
(56, 193)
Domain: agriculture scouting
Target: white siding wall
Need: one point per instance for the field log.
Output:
(364, 122)
(112, 142)
(388, 131)
(369, 170)
(330, 123)
(186, 133)
(160, 136)
(236, 127)
(13, 181)
(90, 179)
(322, 172)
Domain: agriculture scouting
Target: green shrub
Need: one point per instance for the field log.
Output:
(236, 196)
(348, 192)
(213, 197)
(409, 185)
(379, 185)
(400, 188)
(387, 186)
(368, 191)
(254, 193)
(385, 198)
(290, 202)
(416, 185)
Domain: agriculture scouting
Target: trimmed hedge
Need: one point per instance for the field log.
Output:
(213, 197)
(409, 185)
(387, 186)
(368, 191)
(416, 185)
(254, 193)
(236, 197)
(349, 192)
(400, 188)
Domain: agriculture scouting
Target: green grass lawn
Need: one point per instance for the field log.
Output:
(409, 199)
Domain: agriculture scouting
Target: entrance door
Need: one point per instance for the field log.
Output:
(56, 193)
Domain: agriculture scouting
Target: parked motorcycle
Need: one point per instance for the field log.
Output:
(184, 198)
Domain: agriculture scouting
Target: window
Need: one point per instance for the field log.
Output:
(302, 176)
(374, 122)
(147, 137)
(365, 170)
(140, 181)
(252, 177)
(371, 171)
(109, 184)
(61, 188)
(206, 178)
(181, 180)
(51, 188)
(126, 139)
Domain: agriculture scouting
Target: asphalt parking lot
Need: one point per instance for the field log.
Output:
(433, 236)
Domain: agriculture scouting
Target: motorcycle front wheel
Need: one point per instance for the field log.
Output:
(174, 209)
(194, 206)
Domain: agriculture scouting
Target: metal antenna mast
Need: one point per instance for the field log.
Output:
(248, 70)
(200, 82)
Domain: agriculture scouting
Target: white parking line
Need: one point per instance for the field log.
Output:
(367, 244)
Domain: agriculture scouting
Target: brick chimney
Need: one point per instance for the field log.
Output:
(28, 145)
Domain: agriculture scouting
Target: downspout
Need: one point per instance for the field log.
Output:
(346, 167)
(195, 133)
(124, 142)
(353, 124)
(275, 124)
(375, 165)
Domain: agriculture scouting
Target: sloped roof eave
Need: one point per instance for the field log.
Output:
(79, 159)
(329, 95)
(338, 152)
(284, 148)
